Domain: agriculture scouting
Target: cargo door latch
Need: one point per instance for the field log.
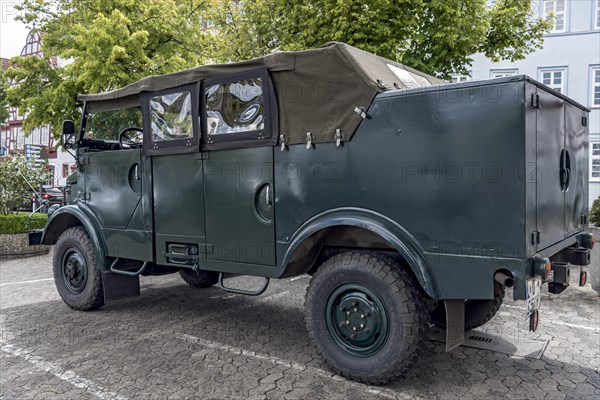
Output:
(535, 100)
(535, 237)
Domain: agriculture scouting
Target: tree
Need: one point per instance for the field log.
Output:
(435, 36)
(4, 114)
(109, 44)
(104, 45)
(16, 176)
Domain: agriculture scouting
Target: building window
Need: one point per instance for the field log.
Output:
(555, 79)
(457, 78)
(557, 11)
(595, 90)
(501, 73)
(595, 176)
(597, 15)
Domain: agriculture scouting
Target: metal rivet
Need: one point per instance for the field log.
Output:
(362, 326)
(353, 328)
(347, 312)
(362, 316)
(347, 322)
(356, 309)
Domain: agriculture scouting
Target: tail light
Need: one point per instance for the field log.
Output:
(46, 196)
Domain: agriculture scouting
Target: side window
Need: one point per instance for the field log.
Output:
(171, 116)
(171, 120)
(235, 107)
(239, 111)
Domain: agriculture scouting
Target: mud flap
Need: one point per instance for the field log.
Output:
(117, 286)
(455, 323)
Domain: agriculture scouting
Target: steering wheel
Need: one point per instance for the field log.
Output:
(131, 142)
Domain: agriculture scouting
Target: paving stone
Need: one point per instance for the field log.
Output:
(257, 348)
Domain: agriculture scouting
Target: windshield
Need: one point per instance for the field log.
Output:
(106, 125)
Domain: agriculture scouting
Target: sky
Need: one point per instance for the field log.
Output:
(12, 33)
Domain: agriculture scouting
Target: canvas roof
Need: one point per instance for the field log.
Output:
(317, 90)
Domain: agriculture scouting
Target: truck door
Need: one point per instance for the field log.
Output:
(562, 168)
(113, 192)
(239, 123)
(238, 189)
(576, 163)
(550, 139)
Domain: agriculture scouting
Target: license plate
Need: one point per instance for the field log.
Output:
(534, 294)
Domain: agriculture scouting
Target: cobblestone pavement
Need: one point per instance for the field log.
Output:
(177, 342)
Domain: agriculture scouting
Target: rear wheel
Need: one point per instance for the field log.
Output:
(199, 279)
(477, 312)
(76, 274)
(365, 316)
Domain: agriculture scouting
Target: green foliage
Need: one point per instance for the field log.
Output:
(435, 36)
(15, 173)
(107, 44)
(595, 212)
(21, 223)
(108, 124)
(3, 102)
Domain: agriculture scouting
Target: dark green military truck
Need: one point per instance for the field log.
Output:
(410, 201)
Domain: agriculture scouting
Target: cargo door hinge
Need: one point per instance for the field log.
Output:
(584, 121)
(535, 100)
(83, 161)
(87, 196)
(535, 237)
(584, 219)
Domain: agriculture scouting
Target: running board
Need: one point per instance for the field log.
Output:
(113, 268)
(242, 291)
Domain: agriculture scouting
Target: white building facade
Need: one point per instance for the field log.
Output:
(569, 63)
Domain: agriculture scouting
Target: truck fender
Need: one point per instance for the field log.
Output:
(69, 216)
(393, 233)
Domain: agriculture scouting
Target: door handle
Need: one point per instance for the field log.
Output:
(136, 172)
(563, 178)
(568, 166)
(268, 195)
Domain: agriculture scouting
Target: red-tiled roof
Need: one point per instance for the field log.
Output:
(5, 63)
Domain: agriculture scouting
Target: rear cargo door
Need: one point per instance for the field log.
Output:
(550, 139)
(576, 164)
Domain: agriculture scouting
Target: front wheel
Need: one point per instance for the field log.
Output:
(76, 274)
(365, 316)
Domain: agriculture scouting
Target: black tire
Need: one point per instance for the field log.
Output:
(477, 312)
(76, 273)
(199, 279)
(370, 282)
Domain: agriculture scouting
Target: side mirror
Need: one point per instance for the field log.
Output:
(68, 134)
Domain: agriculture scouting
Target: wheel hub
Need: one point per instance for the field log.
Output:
(74, 270)
(357, 319)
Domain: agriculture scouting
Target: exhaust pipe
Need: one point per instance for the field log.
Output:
(504, 279)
